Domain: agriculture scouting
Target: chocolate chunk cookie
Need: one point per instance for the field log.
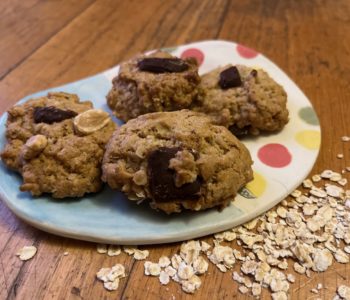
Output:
(158, 82)
(57, 144)
(176, 160)
(243, 99)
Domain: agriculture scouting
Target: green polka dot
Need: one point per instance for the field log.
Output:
(308, 115)
(169, 49)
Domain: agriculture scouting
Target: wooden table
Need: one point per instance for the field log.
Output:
(49, 43)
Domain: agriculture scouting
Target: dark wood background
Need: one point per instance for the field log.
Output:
(48, 43)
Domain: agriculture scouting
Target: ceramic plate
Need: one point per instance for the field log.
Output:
(281, 162)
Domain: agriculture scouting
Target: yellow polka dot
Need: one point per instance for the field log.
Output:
(258, 185)
(310, 139)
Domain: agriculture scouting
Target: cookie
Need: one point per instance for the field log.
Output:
(176, 160)
(243, 99)
(157, 82)
(57, 144)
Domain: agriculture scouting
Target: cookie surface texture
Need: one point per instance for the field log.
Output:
(153, 83)
(254, 103)
(47, 149)
(176, 160)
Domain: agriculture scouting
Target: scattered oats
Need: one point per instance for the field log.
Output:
(164, 278)
(279, 285)
(152, 269)
(307, 183)
(26, 253)
(101, 248)
(129, 250)
(237, 277)
(345, 138)
(200, 265)
(340, 155)
(176, 260)
(191, 285)
(327, 174)
(283, 265)
(111, 285)
(291, 278)
(113, 250)
(336, 177)
(316, 178)
(309, 209)
(65, 253)
(249, 267)
(117, 271)
(205, 246)
(296, 193)
(256, 289)
(279, 296)
(344, 292)
(221, 267)
(189, 251)
(282, 212)
(315, 291)
(343, 181)
(319, 286)
(318, 192)
(243, 289)
(103, 273)
(347, 169)
(322, 259)
(341, 257)
(170, 271)
(251, 225)
(141, 254)
(299, 268)
(347, 249)
(185, 271)
(334, 191)
(238, 255)
(164, 261)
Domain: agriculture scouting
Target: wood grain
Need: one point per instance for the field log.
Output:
(49, 43)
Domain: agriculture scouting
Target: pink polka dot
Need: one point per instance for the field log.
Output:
(275, 155)
(194, 52)
(246, 52)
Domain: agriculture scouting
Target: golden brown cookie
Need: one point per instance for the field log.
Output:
(57, 144)
(157, 82)
(176, 160)
(243, 99)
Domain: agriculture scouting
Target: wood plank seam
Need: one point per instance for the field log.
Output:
(3, 76)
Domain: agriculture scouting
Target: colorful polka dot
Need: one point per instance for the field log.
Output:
(258, 185)
(308, 115)
(274, 155)
(310, 139)
(194, 52)
(246, 52)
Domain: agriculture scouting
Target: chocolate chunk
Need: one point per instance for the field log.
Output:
(239, 132)
(51, 114)
(162, 65)
(230, 78)
(162, 179)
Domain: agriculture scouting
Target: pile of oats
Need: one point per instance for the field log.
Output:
(308, 231)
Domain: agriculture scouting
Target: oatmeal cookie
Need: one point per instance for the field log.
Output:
(176, 160)
(57, 144)
(157, 82)
(243, 99)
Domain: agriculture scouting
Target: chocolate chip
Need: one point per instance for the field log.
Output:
(230, 78)
(239, 132)
(162, 65)
(51, 114)
(162, 179)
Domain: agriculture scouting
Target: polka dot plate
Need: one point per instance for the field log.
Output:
(281, 162)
